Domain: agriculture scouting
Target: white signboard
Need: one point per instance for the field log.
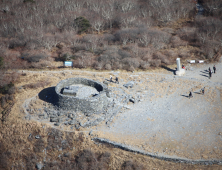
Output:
(68, 63)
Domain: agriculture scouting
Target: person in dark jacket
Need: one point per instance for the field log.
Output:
(202, 90)
(210, 73)
(190, 95)
(117, 80)
(214, 68)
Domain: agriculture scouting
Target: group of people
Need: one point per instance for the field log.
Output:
(202, 92)
(116, 79)
(210, 75)
(210, 72)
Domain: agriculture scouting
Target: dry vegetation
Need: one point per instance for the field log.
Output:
(108, 35)
(27, 144)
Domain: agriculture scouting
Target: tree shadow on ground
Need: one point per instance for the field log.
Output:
(169, 69)
(49, 95)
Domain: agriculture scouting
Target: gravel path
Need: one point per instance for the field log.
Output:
(171, 123)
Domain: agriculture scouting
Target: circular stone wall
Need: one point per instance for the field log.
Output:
(88, 105)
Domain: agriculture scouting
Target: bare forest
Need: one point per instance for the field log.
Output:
(128, 35)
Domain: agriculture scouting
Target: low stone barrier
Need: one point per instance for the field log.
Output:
(156, 155)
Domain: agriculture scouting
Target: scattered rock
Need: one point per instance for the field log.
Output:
(57, 124)
(106, 82)
(39, 166)
(37, 136)
(55, 119)
(72, 122)
(71, 116)
(132, 100)
(77, 126)
(127, 107)
(66, 154)
(129, 84)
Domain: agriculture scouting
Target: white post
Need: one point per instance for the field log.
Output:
(178, 64)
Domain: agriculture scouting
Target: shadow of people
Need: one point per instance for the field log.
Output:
(109, 80)
(169, 69)
(197, 93)
(204, 75)
(205, 71)
(185, 96)
(48, 95)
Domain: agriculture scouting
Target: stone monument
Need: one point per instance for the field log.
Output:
(81, 94)
(179, 71)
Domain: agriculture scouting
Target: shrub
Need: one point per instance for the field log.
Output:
(29, 1)
(144, 64)
(131, 63)
(16, 43)
(89, 160)
(4, 162)
(12, 90)
(66, 57)
(155, 62)
(1, 62)
(36, 58)
(39, 146)
(164, 59)
(5, 89)
(176, 42)
(124, 54)
(85, 160)
(131, 165)
(108, 67)
(3, 101)
(81, 24)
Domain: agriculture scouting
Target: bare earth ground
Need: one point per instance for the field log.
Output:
(169, 123)
(165, 121)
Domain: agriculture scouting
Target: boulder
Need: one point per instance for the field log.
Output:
(129, 84)
(72, 122)
(39, 166)
(55, 119)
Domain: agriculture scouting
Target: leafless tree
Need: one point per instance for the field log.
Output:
(93, 42)
(202, 36)
(108, 13)
(145, 39)
(98, 24)
(127, 5)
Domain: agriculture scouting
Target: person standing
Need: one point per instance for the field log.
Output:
(190, 95)
(209, 69)
(214, 68)
(111, 78)
(117, 80)
(210, 73)
(202, 90)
